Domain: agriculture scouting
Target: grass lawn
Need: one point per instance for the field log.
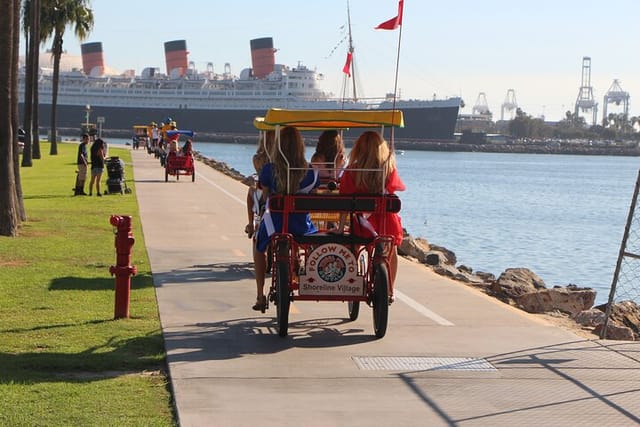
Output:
(64, 360)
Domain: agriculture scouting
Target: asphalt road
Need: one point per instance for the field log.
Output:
(451, 357)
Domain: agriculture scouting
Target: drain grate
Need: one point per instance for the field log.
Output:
(423, 364)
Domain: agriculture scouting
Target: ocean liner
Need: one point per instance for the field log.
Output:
(217, 103)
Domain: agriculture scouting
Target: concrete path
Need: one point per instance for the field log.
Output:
(451, 357)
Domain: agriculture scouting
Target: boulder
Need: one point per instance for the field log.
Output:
(446, 270)
(460, 275)
(414, 247)
(514, 282)
(465, 268)
(624, 313)
(485, 276)
(616, 332)
(591, 317)
(445, 255)
(432, 259)
(570, 300)
(249, 181)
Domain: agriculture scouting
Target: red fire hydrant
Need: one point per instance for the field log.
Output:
(123, 270)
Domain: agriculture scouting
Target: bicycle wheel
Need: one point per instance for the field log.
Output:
(380, 300)
(282, 292)
(354, 309)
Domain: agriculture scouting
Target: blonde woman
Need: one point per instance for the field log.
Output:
(255, 196)
(372, 170)
(290, 176)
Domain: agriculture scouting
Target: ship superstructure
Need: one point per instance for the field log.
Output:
(216, 102)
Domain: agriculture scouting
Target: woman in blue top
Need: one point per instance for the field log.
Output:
(279, 177)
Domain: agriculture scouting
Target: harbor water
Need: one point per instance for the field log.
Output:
(561, 216)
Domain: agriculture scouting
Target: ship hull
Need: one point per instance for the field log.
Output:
(421, 123)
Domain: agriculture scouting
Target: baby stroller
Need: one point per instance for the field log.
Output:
(115, 180)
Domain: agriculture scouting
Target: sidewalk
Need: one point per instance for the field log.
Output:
(452, 356)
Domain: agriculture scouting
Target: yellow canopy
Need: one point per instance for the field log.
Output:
(329, 119)
(259, 124)
(142, 130)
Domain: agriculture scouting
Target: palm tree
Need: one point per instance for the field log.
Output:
(30, 25)
(15, 115)
(9, 34)
(56, 15)
(36, 75)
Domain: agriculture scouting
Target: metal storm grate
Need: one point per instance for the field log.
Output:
(423, 364)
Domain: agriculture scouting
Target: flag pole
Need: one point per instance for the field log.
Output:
(395, 84)
(395, 88)
(392, 24)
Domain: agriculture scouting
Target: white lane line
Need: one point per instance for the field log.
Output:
(421, 308)
(242, 202)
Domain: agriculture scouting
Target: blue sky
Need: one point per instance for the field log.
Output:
(448, 48)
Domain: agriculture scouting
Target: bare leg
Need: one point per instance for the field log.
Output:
(98, 178)
(393, 266)
(260, 265)
(93, 179)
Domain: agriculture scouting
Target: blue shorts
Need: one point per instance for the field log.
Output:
(96, 171)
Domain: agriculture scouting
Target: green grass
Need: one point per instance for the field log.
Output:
(64, 360)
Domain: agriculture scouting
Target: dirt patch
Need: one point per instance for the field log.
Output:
(13, 263)
(108, 374)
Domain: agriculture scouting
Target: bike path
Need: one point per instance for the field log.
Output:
(451, 355)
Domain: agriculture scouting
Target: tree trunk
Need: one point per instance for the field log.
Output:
(36, 76)
(57, 53)
(8, 209)
(15, 120)
(27, 123)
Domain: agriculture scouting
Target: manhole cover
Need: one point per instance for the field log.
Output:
(423, 364)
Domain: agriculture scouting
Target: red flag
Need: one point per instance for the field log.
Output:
(395, 22)
(347, 66)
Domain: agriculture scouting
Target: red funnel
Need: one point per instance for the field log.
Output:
(262, 57)
(92, 60)
(175, 53)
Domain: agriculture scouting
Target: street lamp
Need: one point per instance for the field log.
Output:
(88, 110)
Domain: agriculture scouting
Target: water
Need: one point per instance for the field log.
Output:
(561, 216)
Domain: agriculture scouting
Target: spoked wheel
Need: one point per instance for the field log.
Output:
(354, 309)
(282, 292)
(380, 300)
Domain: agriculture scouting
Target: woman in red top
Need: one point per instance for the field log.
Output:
(372, 170)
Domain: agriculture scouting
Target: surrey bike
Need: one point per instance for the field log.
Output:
(326, 266)
(178, 163)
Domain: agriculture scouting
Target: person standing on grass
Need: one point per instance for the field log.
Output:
(97, 165)
(82, 162)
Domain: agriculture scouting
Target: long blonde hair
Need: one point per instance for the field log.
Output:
(264, 153)
(371, 151)
(292, 146)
